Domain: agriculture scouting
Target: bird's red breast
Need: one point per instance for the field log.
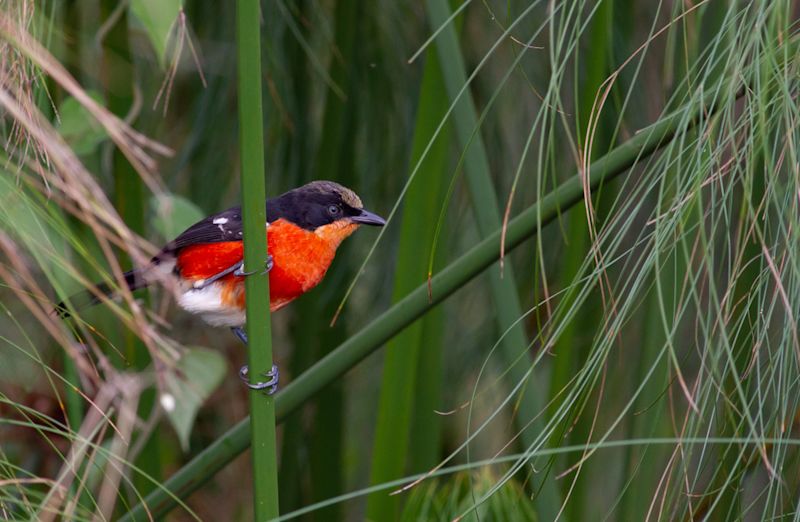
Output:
(300, 260)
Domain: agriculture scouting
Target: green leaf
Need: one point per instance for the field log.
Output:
(34, 222)
(412, 376)
(197, 374)
(78, 127)
(173, 214)
(157, 17)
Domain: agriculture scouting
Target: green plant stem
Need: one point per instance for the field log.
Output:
(335, 159)
(196, 472)
(404, 380)
(56, 45)
(254, 217)
(294, 465)
(505, 299)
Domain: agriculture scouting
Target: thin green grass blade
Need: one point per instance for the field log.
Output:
(259, 330)
(335, 159)
(643, 465)
(293, 462)
(427, 427)
(733, 461)
(595, 131)
(487, 214)
(714, 26)
(407, 382)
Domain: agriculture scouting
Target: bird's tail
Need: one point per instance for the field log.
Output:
(134, 280)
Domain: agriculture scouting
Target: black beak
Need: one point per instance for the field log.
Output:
(368, 218)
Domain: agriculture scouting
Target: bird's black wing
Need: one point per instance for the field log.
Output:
(224, 226)
(217, 228)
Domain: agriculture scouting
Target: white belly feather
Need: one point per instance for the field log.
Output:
(207, 303)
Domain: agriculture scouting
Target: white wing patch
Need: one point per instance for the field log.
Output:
(220, 222)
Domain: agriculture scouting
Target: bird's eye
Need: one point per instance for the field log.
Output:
(334, 210)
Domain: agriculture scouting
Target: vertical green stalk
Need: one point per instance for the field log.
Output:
(88, 21)
(293, 451)
(400, 388)
(487, 215)
(254, 217)
(320, 455)
(335, 159)
(56, 45)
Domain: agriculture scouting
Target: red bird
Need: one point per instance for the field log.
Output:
(305, 226)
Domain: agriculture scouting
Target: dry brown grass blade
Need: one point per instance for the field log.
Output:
(77, 184)
(51, 505)
(134, 145)
(64, 177)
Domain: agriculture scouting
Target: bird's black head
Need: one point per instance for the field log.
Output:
(321, 203)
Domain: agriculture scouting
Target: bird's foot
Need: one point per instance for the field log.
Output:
(267, 267)
(239, 332)
(272, 383)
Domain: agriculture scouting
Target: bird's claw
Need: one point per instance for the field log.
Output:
(239, 332)
(267, 267)
(272, 383)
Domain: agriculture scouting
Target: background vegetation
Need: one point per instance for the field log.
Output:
(638, 358)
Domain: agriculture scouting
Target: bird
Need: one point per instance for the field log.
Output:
(304, 228)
